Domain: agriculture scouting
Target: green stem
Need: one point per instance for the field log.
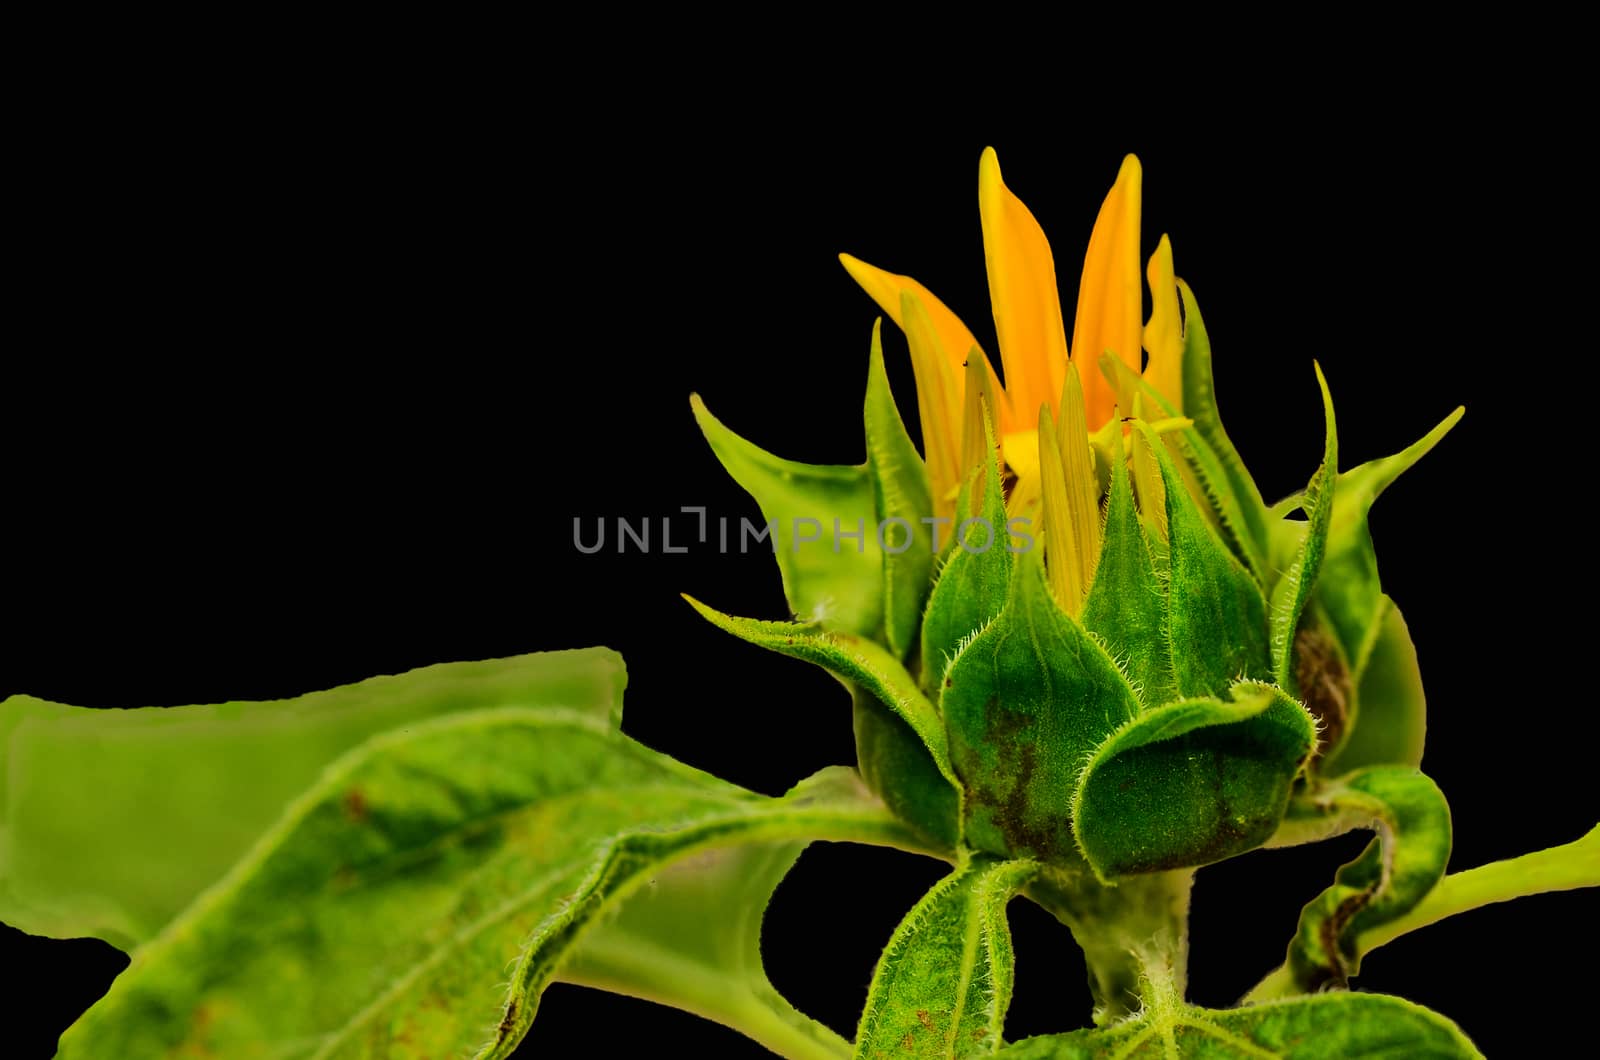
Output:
(1563, 868)
(1134, 935)
(755, 1010)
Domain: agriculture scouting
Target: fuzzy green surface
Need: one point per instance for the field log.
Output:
(1327, 1027)
(379, 917)
(111, 821)
(943, 984)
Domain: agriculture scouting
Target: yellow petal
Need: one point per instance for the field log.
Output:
(955, 339)
(1063, 564)
(1022, 292)
(1163, 333)
(1109, 295)
(977, 430)
(938, 402)
(1083, 488)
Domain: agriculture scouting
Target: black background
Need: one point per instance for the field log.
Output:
(311, 382)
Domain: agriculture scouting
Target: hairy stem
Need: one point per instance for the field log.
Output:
(761, 1014)
(1134, 935)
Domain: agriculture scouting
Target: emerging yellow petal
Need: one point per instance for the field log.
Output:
(939, 388)
(1022, 292)
(977, 431)
(1147, 480)
(955, 338)
(1110, 299)
(1163, 333)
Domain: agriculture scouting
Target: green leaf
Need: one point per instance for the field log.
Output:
(1200, 404)
(1388, 721)
(1394, 873)
(1332, 1026)
(1191, 782)
(902, 500)
(382, 913)
(943, 984)
(1126, 607)
(691, 939)
(1293, 590)
(1216, 617)
(827, 578)
(931, 803)
(1025, 702)
(972, 584)
(1348, 587)
(111, 821)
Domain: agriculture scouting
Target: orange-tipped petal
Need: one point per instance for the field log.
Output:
(1163, 333)
(955, 339)
(939, 388)
(1110, 301)
(1022, 292)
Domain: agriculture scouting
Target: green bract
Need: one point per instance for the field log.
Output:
(1084, 658)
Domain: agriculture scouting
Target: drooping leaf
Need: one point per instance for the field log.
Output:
(809, 508)
(1127, 604)
(1335, 1026)
(1216, 617)
(972, 585)
(1388, 721)
(1396, 871)
(932, 803)
(1191, 782)
(943, 984)
(111, 821)
(902, 499)
(1025, 702)
(380, 915)
(1293, 590)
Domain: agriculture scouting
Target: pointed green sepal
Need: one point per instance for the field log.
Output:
(814, 514)
(856, 660)
(1025, 702)
(1192, 782)
(903, 499)
(943, 984)
(1127, 603)
(1200, 405)
(1293, 589)
(1334, 1026)
(1216, 616)
(1348, 589)
(900, 740)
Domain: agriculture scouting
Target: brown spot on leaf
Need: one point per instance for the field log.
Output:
(355, 805)
(507, 1022)
(908, 1043)
(924, 1019)
(1323, 680)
